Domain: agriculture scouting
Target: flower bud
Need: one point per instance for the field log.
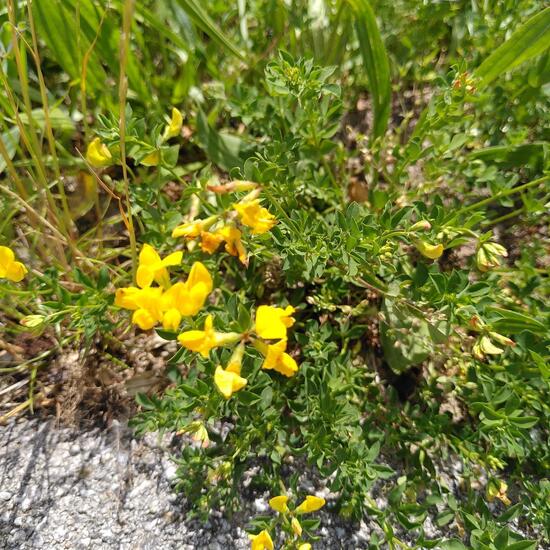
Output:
(497, 489)
(488, 347)
(152, 159)
(296, 527)
(488, 256)
(422, 225)
(32, 321)
(502, 339)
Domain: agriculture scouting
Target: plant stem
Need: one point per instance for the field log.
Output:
(122, 91)
(500, 195)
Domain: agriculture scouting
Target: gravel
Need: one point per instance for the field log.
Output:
(104, 489)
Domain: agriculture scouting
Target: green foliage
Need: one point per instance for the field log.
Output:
(410, 239)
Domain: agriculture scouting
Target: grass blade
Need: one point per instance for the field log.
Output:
(376, 62)
(530, 40)
(199, 16)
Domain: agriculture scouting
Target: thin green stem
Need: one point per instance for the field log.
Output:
(500, 195)
(122, 92)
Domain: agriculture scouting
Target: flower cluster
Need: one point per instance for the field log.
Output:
(263, 540)
(222, 228)
(166, 303)
(271, 323)
(10, 268)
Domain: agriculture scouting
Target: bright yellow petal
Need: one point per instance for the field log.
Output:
(126, 297)
(310, 504)
(173, 259)
(279, 504)
(286, 365)
(144, 276)
(6, 256)
(192, 339)
(199, 274)
(228, 382)
(148, 256)
(195, 299)
(16, 271)
(429, 250)
(189, 230)
(144, 319)
(261, 541)
(97, 154)
(171, 319)
(272, 322)
(176, 122)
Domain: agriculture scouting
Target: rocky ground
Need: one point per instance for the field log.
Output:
(71, 488)
(103, 489)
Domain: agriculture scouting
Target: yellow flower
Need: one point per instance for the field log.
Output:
(277, 359)
(279, 504)
(202, 341)
(9, 268)
(228, 382)
(171, 319)
(272, 322)
(174, 128)
(144, 319)
(233, 244)
(310, 504)
(261, 541)
(191, 230)
(145, 301)
(152, 268)
(296, 527)
(429, 250)
(305, 546)
(189, 297)
(152, 159)
(255, 216)
(98, 154)
(210, 241)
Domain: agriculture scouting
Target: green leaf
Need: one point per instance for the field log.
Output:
(530, 40)
(512, 321)
(444, 518)
(222, 149)
(248, 398)
(522, 545)
(524, 422)
(452, 544)
(189, 390)
(375, 58)
(144, 401)
(508, 156)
